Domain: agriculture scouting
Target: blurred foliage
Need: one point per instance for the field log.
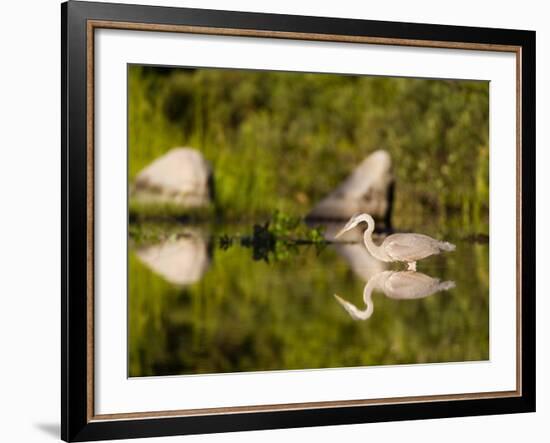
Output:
(141, 212)
(283, 140)
(288, 227)
(247, 315)
(280, 237)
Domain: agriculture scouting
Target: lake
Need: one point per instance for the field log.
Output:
(208, 299)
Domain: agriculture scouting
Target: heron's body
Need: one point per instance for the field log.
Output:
(412, 247)
(410, 285)
(407, 248)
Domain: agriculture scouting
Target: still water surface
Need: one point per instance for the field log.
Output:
(204, 301)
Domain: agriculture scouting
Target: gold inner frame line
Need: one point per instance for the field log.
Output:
(92, 25)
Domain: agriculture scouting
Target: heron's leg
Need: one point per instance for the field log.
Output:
(411, 266)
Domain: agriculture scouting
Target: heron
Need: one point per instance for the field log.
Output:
(406, 248)
(398, 285)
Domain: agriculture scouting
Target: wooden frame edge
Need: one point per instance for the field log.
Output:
(98, 24)
(92, 25)
(90, 205)
(258, 33)
(303, 406)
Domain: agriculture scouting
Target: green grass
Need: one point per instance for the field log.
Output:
(139, 211)
(282, 141)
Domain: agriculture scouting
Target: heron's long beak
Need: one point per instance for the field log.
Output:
(340, 299)
(344, 229)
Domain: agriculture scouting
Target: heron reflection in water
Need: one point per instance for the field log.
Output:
(398, 285)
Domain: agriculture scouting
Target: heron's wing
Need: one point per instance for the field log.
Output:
(410, 247)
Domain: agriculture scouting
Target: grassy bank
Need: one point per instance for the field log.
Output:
(282, 141)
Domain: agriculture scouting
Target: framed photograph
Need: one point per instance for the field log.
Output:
(275, 221)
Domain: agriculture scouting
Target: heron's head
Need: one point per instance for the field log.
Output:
(352, 310)
(353, 222)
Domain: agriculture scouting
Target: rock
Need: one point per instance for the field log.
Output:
(180, 176)
(180, 262)
(369, 188)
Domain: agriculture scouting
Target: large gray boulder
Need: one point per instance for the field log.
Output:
(367, 189)
(181, 176)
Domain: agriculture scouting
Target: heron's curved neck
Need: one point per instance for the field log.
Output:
(369, 305)
(375, 282)
(375, 250)
(366, 313)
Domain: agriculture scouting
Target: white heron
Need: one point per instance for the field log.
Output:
(398, 285)
(398, 247)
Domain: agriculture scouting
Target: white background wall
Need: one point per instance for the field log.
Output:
(30, 221)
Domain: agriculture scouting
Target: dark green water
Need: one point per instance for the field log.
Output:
(199, 305)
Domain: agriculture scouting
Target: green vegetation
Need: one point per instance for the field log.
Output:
(280, 140)
(143, 212)
(279, 238)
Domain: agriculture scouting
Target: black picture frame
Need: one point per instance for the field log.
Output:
(76, 422)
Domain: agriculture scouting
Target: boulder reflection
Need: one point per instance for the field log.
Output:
(182, 261)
